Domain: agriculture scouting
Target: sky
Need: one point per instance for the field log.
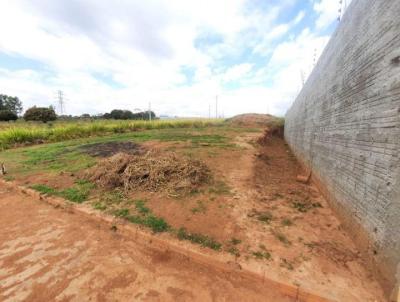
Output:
(176, 55)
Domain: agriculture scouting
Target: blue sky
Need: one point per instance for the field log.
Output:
(178, 55)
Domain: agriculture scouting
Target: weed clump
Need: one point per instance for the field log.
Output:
(201, 239)
(262, 255)
(305, 206)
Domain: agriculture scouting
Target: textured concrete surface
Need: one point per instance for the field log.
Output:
(345, 126)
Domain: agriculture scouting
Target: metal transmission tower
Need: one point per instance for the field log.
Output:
(61, 101)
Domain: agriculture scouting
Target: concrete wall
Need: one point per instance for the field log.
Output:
(345, 126)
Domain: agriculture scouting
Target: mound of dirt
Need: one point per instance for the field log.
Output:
(153, 171)
(253, 120)
(111, 148)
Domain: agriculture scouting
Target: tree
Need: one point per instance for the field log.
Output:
(7, 115)
(119, 114)
(10, 103)
(42, 114)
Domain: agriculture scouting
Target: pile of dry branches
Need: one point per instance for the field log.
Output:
(153, 171)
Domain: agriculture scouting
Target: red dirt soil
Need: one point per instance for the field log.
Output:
(50, 254)
(312, 251)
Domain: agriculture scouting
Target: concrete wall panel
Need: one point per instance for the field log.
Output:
(345, 126)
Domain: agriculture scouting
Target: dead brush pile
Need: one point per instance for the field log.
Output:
(153, 171)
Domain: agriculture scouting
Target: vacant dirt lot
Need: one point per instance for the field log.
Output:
(49, 254)
(252, 214)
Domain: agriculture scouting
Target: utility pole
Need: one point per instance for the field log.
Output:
(315, 57)
(216, 106)
(302, 77)
(342, 9)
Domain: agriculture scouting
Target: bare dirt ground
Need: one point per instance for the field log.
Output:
(305, 239)
(48, 254)
(266, 222)
(286, 229)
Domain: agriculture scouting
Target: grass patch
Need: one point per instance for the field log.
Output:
(121, 213)
(99, 206)
(156, 224)
(78, 194)
(234, 251)
(305, 206)
(31, 133)
(141, 208)
(44, 189)
(69, 156)
(262, 255)
(142, 216)
(200, 239)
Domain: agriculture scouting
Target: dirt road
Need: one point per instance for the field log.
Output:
(48, 254)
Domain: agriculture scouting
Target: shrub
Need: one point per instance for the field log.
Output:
(40, 114)
(7, 115)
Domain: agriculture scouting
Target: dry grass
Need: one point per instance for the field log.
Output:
(153, 171)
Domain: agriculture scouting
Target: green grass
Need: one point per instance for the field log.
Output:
(78, 194)
(142, 215)
(122, 213)
(262, 255)
(141, 208)
(200, 239)
(156, 224)
(33, 133)
(68, 156)
(305, 206)
(234, 251)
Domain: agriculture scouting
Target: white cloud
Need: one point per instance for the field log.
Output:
(236, 72)
(328, 12)
(141, 47)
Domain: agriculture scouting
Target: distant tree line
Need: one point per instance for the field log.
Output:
(11, 108)
(118, 114)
